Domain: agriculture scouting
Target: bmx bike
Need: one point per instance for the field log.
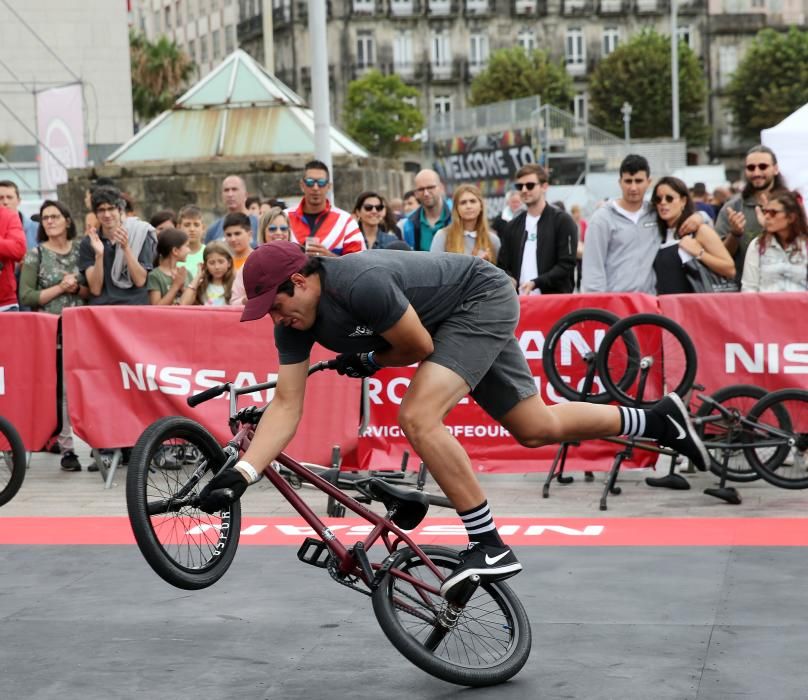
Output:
(12, 461)
(478, 635)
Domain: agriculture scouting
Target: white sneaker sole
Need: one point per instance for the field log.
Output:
(498, 574)
(691, 431)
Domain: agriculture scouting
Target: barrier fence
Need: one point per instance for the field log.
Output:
(128, 366)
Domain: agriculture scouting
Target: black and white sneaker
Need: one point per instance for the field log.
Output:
(679, 433)
(489, 562)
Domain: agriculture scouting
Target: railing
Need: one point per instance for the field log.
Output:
(576, 7)
(441, 8)
(405, 8)
(250, 27)
(614, 7)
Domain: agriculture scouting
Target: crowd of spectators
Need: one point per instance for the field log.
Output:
(753, 236)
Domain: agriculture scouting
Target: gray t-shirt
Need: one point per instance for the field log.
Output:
(365, 294)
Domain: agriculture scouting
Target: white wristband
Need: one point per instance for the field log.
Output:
(249, 470)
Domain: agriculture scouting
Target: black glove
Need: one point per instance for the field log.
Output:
(356, 365)
(222, 490)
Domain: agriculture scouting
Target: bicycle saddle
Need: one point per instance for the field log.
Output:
(411, 506)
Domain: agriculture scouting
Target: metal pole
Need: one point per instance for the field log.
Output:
(674, 71)
(319, 84)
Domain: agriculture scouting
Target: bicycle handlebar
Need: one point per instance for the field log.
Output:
(218, 390)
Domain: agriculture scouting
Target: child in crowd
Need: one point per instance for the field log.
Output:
(167, 280)
(190, 221)
(213, 283)
(238, 235)
(163, 219)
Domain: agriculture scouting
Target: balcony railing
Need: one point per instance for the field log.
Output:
(405, 8)
(614, 7)
(250, 28)
(363, 7)
(478, 8)
(529, 8)
(576, 7)
(445, 72)
(649, 7)
(576, 68)
(441, 8)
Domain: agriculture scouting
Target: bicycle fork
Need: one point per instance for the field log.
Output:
(447, 618)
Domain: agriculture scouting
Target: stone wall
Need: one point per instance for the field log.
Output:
(155, 186)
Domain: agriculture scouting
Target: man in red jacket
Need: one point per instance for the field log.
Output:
(12, 251)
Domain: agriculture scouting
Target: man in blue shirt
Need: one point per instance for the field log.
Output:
(10, 199)
(434, 213)
(234, 197)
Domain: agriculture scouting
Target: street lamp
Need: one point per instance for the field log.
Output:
(625, 110)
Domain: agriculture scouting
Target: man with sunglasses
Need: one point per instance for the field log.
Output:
(434, 213)
(323, 229)
(539, 244)
(737, 221)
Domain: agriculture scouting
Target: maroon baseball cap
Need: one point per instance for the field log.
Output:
(268, 267)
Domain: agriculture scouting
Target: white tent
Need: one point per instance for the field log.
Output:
(789, 141)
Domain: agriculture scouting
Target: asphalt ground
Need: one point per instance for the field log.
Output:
(673, 594)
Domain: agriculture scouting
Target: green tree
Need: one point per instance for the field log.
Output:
(639, 72)
(160, 71)
(379, 116)
(771, 81)
(514, 73)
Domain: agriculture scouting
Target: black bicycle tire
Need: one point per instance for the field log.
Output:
(768, 469)
(136, 502)
(628, 324)
(409, 647)
(552, 339)
(724, 394)
(18, 460)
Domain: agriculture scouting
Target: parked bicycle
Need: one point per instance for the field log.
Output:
(479, 636)
(12, 461)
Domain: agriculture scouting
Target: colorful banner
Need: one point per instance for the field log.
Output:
(28, 375)
(60, 131)
(489, 445)
(130, 365)
(745, 338)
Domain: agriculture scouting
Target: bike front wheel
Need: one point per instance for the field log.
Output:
(490, 641)
(12, 461)
(170, 464)
(777, 438)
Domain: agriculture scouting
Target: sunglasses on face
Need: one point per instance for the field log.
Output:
(312, 181)
(529, 186)
(772, 212)
(658, 199)
(373, 207)
(763, 167)
(272, 228)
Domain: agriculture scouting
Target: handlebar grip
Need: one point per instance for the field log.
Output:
(206, 395)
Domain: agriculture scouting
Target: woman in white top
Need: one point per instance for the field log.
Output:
(777, 260)
(468, 232)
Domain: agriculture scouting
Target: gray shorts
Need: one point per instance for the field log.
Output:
(478, 343)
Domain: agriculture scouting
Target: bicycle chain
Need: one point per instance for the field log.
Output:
(347, 581)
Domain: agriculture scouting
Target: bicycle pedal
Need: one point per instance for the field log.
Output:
(314, 552)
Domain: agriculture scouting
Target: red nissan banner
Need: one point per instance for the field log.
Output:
(28, 375)
(745, 338)
(489, 445)
(131, 365)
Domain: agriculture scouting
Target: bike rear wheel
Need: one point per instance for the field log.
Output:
(567, 356)
(719, 432)
(490, 642)
(778, 439)
(170, 464)
(12, 461)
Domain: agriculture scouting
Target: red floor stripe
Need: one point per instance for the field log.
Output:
(642, 532)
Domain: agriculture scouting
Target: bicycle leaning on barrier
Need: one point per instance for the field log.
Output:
(12, 461)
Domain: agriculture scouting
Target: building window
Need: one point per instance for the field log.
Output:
(177, 15)
(229, 38)
(365, 49)
(611, 37)
(579, 107)
(478, 50)
(442, 104)
(217, 48)
(203, 49)
(402, 8)
(526, 38)
(190, 9)
(759, 4)
(727, 64)
(402, 51)
(192, 49)
(167, 11)
(684, 34)
(440, 51)
(364, 7)
(477, 7)
(440, 7)
(575, 48)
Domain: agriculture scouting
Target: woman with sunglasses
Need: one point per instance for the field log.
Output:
(673, 203)
(49, 283)
(777, 260)
(274, 226)
(375, 220)
(468, 231)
